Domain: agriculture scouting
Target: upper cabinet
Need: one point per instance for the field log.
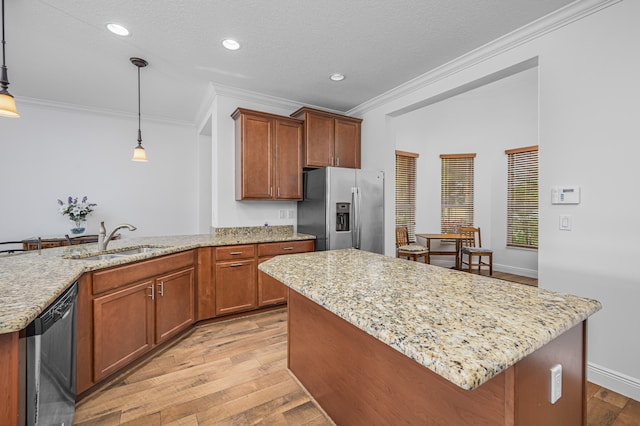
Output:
(330, 139)
(268, 156)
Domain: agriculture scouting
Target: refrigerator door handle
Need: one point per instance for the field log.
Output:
(355, 235)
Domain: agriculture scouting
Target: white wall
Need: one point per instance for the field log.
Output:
(52, 152)
(485, 121)
(226, 210)
(588, 135)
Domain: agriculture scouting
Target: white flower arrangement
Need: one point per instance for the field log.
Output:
(77, 211)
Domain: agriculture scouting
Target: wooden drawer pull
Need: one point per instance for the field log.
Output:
(236, 264)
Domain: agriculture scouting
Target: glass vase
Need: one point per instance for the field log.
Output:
(79, 226)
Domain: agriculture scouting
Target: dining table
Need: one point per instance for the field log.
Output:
(458, 238)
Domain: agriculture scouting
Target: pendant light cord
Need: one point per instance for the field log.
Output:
(3, 59)
(139, 126)
(4, 80)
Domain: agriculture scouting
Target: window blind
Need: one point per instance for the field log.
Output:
(406, 191)
(522, 197)
(456, 192)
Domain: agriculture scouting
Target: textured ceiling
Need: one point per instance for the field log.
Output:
(59, 50)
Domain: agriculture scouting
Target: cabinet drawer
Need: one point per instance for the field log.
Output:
(121, 275)
(236, 252)
(289, 247)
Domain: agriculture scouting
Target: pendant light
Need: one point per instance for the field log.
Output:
(7, 103)
(138, 152)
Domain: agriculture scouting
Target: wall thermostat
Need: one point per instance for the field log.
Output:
(565, 195)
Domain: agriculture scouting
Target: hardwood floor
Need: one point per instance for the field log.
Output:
(227, 373)
(235, 373)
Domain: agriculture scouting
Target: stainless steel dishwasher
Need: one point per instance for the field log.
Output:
(51, 363)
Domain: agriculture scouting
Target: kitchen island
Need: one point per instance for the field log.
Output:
(376, 339)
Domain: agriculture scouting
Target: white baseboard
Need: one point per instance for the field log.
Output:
(531, 273)
(447, 263)
(614, 380)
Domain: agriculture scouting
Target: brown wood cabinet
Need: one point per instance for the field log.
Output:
(270, 290)
(330, 139)
(122, 328)
(268, 156)
(229, 280)
(235, 281)
(125, 311)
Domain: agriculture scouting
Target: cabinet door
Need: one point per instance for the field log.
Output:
(122, 327)
(347, 144)
(235, 286)
(256, 167)
(288, 160)
(319, 134)
(270, 290)
(174, 297)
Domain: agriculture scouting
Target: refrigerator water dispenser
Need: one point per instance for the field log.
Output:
(342, 216)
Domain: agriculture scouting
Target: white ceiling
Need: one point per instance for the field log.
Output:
(59, 50)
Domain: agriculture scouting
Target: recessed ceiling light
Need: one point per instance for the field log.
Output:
(230, 44)
(117, 29)
(337, 77)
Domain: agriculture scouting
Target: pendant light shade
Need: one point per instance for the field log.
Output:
(138, 152)
(7, 103)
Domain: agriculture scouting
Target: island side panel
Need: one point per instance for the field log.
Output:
(359, 380)
(533, 382)
(9, 385)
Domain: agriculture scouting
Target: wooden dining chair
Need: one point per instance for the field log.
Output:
(405, 248)
(472, 248)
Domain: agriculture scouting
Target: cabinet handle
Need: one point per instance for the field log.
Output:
(233, 265)
(331, 160)
(235, 253)
(161, 288)
(337, 161)
(153, 290)
(278, 192)
(287, 248)
(270, 191)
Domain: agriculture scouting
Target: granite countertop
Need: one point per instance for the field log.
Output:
(465, 327)
(31, 281)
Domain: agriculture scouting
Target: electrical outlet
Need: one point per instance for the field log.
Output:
(290, 213)
(556, 383)
(282, 214)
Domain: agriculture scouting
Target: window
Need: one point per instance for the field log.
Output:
(456, 192)
(406, 191)
(522, 197)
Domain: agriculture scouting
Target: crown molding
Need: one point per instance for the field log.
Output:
(551, 22)
(54, 105)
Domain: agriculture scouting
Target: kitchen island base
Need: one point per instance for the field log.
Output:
(357, 379)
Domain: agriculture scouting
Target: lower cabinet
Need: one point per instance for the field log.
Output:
(122, 327)
(235, 286)
(229, 280)
(130, 309)
(174, 303)
(270, 290)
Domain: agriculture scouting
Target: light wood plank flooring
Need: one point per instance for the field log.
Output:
(235, 373)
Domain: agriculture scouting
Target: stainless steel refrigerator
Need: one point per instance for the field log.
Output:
(343, 208)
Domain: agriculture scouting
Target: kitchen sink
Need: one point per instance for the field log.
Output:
(119, 253)
(139, 250)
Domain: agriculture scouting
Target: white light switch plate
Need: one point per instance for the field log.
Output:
(565, 222)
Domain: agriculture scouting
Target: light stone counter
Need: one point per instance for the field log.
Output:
(31, 281)
(465, 327)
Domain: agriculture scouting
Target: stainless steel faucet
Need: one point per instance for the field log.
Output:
(103, 240)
